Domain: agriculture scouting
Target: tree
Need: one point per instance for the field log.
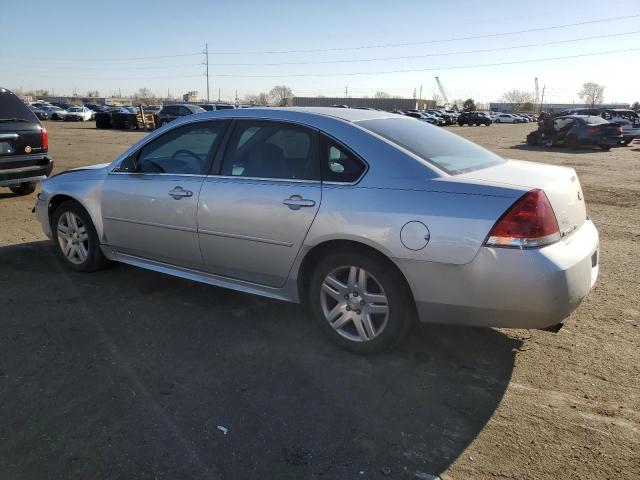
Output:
(528, 107)
(263, 98)
(381, 94)
(437, 99)
(454, 107)
(93, 93)
(469, 104)
(592, 93)
(281, 95)
(518, 99)
(635, 106)
(250, 99)
(144, 93)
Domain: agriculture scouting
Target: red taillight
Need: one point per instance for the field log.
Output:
(45, 139)
(593, 129)
(530, 222)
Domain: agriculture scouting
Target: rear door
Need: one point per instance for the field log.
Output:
(151, 212)
(255, 214)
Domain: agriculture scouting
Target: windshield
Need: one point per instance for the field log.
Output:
(445, 150)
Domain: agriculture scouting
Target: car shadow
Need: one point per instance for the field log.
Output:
(540, 148)
(128, 373)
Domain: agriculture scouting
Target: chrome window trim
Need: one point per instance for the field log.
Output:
(148, 174)
(263, 179)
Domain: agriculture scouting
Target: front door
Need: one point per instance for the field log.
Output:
(254, 216)
(150, 212)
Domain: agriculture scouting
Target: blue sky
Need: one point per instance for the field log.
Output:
(76, 45)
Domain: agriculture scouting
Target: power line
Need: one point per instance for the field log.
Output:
(424, 42)
(149, 67)
(411, 70)
(104, 59)
(426, 55)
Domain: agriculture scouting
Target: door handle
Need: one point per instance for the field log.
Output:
(178, 193)
(295, 202)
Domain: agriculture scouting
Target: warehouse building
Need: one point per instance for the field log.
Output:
(387, 104)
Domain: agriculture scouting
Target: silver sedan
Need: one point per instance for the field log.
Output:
(370, 218)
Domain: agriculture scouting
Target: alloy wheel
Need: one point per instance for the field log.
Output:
(73, 238)
(354, 303)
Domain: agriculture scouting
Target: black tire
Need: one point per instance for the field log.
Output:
(399, 301)
(461, 124)
(94, 260)
(497, 120)
(23, 188)
(487, 124)
(533, 137)
(572, 142)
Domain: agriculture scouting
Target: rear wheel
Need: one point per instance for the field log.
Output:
(361, 303)
(23, 188)
(76, 238)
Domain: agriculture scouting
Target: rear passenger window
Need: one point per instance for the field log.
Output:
(262, 149)
(338, 164)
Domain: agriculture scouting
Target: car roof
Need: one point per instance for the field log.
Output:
(347, 114)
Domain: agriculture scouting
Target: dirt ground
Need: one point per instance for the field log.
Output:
(129, 374)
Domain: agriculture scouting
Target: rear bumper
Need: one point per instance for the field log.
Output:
(27, 170)
(500, 287)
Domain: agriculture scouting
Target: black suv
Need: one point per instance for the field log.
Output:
(23, 146)
(474, 118)
(171, 112)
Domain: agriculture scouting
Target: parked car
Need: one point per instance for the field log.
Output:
(41, 114)
(370, 218)
(627, 119)
(78, 114)
(575, 131)
(425, 117)
(62, 105)
(24, 144)
(507, 118)
(216, 106)
(152, 108)
(172, 112)
(55, 113)
(474, 118)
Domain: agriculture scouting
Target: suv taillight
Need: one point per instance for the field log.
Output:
(529, 223)
(45, 139)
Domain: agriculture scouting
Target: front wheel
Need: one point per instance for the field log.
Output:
(23, 188)
(76, 238)
(360, 302)
(498, 121)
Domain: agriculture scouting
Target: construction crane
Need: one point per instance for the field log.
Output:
(443, 93)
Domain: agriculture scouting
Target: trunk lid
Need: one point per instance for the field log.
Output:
(20, 139)
(560, 184)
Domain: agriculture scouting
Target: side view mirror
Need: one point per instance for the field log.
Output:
(129, 164)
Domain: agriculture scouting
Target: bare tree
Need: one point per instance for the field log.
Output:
(518, 98)
(281, 95)
(437, 98)
(251, 99)
(381, 94)
(263, 98)
(635, 106)
(93, 93)
(592, 93)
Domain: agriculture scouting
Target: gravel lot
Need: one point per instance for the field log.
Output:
(129, 374)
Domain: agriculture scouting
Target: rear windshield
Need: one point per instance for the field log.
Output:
(443, 149)
(14, 109)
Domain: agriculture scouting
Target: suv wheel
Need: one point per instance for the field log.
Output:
(360, 302)
(76, 238)
(23, 188)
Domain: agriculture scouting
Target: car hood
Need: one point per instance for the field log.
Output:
(81, 173)
(560, 184)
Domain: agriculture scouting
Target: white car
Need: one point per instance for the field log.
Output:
(78, 114)
(55, 113)
(507, 118)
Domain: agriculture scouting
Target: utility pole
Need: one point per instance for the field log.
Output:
(206, 56)
(236, 98)
(542, 98)
(420, 98)
(218, 93)
(346, 91)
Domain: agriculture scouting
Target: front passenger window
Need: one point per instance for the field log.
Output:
(184, 150)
